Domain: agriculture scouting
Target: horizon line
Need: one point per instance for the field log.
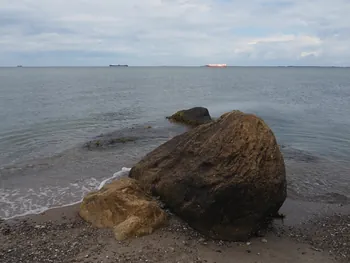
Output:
(107, 66)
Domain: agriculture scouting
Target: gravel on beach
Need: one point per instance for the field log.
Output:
(69, 239)
(328, 233)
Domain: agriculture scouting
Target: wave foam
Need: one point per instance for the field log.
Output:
(124, 172)
(21, 202)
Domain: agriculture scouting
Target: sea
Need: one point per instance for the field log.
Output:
(49, 115)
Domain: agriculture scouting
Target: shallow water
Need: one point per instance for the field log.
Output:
(47, 114)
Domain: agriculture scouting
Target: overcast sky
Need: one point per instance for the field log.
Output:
(174, 32)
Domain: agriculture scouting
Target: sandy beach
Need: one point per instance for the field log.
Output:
(60, 235)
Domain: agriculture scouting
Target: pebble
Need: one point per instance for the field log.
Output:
(28, 249)
(327, 234)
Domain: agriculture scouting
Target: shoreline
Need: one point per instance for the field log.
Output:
(296, 211)
(60, 235)
(97, 166)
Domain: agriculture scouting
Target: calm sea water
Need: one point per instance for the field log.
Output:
(47, 114)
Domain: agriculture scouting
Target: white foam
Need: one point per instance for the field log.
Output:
(16, 203)
(124, 172)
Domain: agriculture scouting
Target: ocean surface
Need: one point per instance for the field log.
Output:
(47, 115)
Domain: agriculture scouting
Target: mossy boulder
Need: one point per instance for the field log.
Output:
(225, 178)
(192, 117)
(124, 207)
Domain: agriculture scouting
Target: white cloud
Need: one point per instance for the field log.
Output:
(315, 53)
(187, 32)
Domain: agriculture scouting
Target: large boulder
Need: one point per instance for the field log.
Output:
(224, 178)
(123, 206)
(193, 117)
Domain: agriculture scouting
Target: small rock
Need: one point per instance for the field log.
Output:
(318, 250)
(249, 243)
(264, 240)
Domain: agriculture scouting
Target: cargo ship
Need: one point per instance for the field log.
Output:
(118, 65)
(216, 65)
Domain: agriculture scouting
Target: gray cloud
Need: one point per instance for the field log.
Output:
(186, 32)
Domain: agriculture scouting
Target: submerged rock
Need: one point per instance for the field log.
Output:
(105, 142)
(193, 117)
(224, 178)
(123, 206)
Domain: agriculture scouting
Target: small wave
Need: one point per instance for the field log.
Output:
(17, 203)
(124, 172)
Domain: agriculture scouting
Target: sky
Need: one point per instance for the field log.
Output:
(174, 32)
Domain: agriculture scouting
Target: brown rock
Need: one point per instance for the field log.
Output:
(192, 117)
(224, 178)
(123, 206)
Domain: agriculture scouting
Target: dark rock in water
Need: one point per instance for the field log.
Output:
(135, 134)
(193, 117)
(105, 142)
(224, 178)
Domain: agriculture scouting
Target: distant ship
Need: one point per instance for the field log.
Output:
(118, 65)
(216, 65)
(19, 66)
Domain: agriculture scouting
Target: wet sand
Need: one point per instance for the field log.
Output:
(59, 235)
